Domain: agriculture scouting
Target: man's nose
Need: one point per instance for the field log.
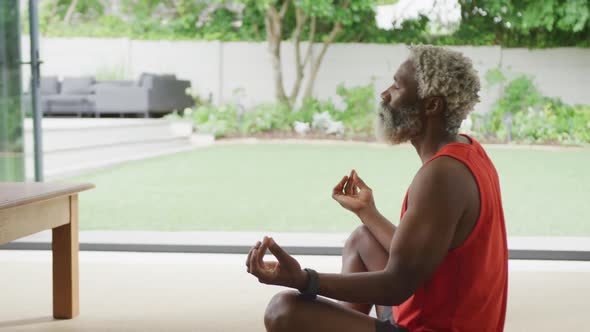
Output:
(386, 96)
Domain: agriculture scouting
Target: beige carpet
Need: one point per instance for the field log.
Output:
(192, 292)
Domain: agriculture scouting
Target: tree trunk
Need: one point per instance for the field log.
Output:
(274, 25)
(299, 67)
(318, 62)
(311, 40)
(53, 11)
(70, 12)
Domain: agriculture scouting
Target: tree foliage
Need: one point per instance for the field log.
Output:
(510, 23)
(331, 16)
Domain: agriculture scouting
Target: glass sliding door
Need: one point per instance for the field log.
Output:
(11, 116)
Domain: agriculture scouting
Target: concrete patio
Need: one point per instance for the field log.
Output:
(73, 146)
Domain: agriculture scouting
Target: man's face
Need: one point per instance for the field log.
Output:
(399, 119)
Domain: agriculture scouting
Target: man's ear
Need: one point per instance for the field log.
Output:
(434, 105)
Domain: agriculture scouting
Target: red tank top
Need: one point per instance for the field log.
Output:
(468, 290)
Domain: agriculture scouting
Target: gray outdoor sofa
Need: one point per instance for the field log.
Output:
(152, 95)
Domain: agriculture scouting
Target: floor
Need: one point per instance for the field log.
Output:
(212, 292)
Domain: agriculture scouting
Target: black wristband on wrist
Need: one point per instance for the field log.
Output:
(313, 285)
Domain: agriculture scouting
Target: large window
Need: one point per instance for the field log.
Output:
(116, 115)
(11, 118)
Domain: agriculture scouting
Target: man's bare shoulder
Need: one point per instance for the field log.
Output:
(443, 170)
(442, 183)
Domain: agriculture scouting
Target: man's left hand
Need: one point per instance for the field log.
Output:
(286, 272)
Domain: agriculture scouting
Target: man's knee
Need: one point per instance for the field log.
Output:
(359, 236)
(281, 310)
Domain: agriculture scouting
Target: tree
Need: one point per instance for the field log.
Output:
(52, 11)
(70, 11)
(309, 16)
(527, 23)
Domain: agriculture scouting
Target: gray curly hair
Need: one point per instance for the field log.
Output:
(450, 74)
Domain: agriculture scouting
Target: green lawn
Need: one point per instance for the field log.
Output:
(287, 187)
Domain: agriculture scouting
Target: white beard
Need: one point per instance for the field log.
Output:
(397, 126)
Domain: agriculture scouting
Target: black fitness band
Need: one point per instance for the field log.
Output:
(313, 285)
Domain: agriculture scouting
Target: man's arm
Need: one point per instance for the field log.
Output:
(354, 195)
(420, 243)
(381, 228)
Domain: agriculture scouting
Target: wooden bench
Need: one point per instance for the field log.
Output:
(28, 208)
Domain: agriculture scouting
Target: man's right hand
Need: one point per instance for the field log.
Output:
(354, 195)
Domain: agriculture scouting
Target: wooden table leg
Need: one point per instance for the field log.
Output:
(65, 266)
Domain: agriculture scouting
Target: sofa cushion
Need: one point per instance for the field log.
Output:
(118, 83)
(77, 85)
(67, 99)
(147, 79)
(49, 85)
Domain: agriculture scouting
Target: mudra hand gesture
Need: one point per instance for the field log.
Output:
(286, 271)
